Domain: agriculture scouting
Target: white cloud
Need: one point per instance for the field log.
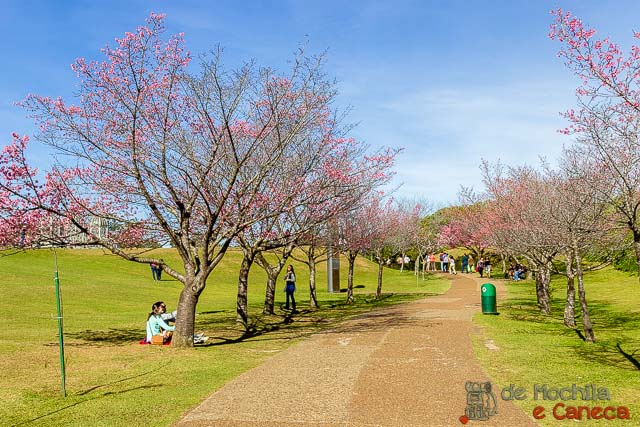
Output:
(446, 131)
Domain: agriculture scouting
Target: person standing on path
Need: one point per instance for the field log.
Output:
(290, 287)
(487, 267)
(480, 266)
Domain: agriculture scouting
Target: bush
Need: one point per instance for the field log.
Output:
(625, 261)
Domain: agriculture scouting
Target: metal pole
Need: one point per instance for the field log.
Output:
(60, 328)
(333, 269)
(329, 268)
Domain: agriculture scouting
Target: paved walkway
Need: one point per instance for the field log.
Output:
(401, 366)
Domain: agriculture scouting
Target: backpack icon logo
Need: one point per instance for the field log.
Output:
(481, 402)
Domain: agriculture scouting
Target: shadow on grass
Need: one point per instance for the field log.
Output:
(113, 336)
(629, 356)
(306, 321)
(613, 328)
(89, 390)
(106, 394)
(221, 325)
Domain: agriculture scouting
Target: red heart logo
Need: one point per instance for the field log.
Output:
(464, 419)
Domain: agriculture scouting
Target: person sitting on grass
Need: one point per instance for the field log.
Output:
(156, 325)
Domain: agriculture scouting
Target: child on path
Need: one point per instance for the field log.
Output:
(452, 265)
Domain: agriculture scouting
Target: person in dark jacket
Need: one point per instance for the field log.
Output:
(290, 287)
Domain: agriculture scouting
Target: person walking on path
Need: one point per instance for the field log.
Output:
(487, 267)
(465, 263)
(452, 265)
(290, 287)
(480, 266)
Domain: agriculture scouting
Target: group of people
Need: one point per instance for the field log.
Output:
(516, 272)
(448, 264)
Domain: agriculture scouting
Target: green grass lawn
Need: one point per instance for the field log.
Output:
(114, 381)
(538, 349)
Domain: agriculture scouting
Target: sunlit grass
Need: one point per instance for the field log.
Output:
(538, 349)
(114, 381)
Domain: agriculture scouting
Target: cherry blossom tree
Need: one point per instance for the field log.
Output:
(427, 237)
(309, 204)
(314, 250)
(519, 217)
(468, 226)
(355, 232)
(384, 219)
(182, 158)
(584, 226)
(606, 122)
(409, 214)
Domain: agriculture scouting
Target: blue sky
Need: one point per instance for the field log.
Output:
(450, 81)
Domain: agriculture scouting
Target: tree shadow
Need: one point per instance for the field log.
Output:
(112, 336)
(629, 356)
(94, 388)
(307, 321)
(613, 328)
(106, 394)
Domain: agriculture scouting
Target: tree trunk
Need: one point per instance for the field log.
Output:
(636, 247)
(589, 335)
(273, 271)
(504, 265)
(351, 257)
(242, 311)
(270, 293)
(570, 305)
(313, 299)
(542, 288)
(379, 288)
(186, 319)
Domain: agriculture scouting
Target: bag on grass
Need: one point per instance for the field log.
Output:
(157, 339)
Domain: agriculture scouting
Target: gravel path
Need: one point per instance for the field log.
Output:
(405, 365)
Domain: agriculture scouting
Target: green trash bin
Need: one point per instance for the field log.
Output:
(488, 299)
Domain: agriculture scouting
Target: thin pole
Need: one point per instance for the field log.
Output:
(60, 328)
